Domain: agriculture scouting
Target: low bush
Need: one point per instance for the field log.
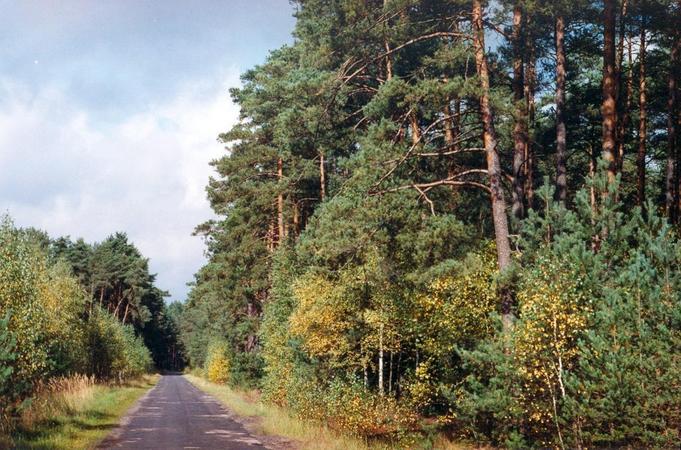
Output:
(217, 365)
(115, 351)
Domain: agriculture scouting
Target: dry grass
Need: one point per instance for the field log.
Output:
(278, 422)
(74, 413)
(56, 397)
(306, 434)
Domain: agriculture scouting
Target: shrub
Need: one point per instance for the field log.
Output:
(351, 408)
(217, 365)
(115, 352)
(65, 303)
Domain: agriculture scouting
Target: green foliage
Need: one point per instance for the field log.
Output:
(117, 277)
(65, 303)
(50, 325)
(591, 359)
(7, 357)
(21, 270)
(351, 263)
(115, 351)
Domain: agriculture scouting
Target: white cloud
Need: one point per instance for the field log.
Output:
(66, 173)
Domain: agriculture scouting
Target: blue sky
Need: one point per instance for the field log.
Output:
(109, 113)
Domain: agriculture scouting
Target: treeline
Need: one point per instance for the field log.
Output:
(72, 308)
(417, 224)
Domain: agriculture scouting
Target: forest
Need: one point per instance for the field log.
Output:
(451, 215)
(71, 309)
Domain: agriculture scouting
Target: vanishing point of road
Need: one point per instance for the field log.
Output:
(177, 415)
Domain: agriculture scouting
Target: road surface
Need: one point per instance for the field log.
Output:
(177, 415)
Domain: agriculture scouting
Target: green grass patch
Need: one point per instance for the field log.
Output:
(84, 418)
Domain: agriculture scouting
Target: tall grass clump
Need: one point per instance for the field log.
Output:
(57, 396)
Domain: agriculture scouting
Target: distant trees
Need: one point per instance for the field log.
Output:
(63, 309)
(117, 278)
(380, 206)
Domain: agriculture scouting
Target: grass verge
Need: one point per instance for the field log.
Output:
(275, 421)
(76, 414)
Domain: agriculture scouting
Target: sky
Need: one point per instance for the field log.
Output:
(110, 112)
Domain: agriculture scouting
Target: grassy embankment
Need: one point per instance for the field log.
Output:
(275, 421)
(74, 413)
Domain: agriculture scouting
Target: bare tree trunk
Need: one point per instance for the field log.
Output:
(608, 109)
(561, 133)
(322, 177)
(520, 126)
(449, 127)
(380, 362)
(388, 63)
(270, 236)
(621, 100)
(118, 306)
(643, 121)
(596, 238)
(390, 374)
(252, 338)
(415, 129)
(296, 219)
(671, 176)
(529, 88)
(592, 173)
(626, 110)
(280, 203)
(125, 314)
(386, 44)
(452, 130)
(493, 164)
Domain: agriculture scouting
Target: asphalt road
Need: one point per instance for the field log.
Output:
(177, 415)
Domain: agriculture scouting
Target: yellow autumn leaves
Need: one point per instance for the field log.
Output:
(217, 362)
(351, 318)
(554, 311)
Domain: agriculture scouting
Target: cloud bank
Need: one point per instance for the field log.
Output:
(69, 173)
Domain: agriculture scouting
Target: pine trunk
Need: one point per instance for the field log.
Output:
(380, 363)
(643, 122)
(520, 126)
(451, 131)
(415, 129)
(118, 307)
(493, 165)
(390, 374)
(322, 177)
(296, 219)
(608, 109)
(270, 236)
(280, 203)
(561, 132)
(671, 176)
(125, 314)
(621, 99)
(529, 89)
(626, 113)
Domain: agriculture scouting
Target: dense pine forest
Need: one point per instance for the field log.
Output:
(449, 215)
(74, 309)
